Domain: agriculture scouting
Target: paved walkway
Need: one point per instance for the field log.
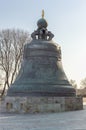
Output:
(75, 120)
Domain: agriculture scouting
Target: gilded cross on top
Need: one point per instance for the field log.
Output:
(42, 13)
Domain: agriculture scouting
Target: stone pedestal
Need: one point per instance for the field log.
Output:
(41, 104)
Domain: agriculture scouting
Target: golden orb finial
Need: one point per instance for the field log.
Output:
(42, 13)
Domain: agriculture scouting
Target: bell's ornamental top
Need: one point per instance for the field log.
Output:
(42, 32)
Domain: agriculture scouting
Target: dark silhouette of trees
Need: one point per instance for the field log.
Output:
(83, 83)
(11, 51)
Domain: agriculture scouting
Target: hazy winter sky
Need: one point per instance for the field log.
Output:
(66, 19)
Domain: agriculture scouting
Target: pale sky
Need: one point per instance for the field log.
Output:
(66, 19)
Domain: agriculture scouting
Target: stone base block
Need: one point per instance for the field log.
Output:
(40, 104)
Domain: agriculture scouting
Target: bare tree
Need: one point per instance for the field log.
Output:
(73, 83)
(83, 83)
(11, 49)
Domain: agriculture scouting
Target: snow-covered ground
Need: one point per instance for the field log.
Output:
(75, 120)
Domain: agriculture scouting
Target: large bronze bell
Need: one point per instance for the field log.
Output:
(41, 73)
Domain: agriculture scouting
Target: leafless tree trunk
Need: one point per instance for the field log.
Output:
(11, 49)
(73, 83)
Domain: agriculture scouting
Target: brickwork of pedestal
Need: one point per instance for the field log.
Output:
(40, 104)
